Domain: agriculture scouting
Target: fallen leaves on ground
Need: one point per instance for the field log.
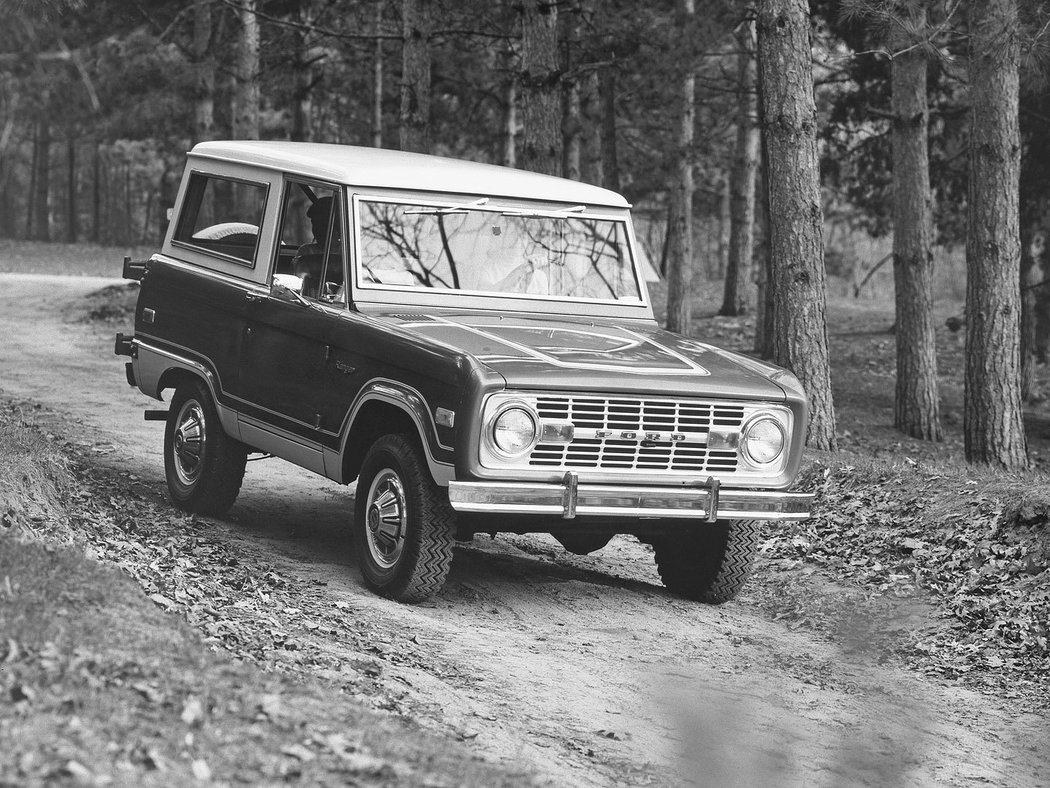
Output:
(976, 553)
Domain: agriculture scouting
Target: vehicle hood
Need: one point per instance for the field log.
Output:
(563, 353)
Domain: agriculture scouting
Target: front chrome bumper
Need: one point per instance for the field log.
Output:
(571, 499)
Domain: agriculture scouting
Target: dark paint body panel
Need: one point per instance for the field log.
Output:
(560, 353)
(298, 368)
(195, 312)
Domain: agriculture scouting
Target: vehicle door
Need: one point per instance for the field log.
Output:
(287, 347)
(218, 233)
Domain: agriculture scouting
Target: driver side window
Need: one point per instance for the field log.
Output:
(311, 245)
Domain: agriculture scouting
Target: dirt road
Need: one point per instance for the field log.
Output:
(582, 669)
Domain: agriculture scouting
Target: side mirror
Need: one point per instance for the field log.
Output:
(286, 287)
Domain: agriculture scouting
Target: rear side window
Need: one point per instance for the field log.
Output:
(222, 216)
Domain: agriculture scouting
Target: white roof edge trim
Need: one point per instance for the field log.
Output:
(384, 168)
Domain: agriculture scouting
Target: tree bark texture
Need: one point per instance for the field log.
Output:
(992, 417)
(414, 119)
(680, 260)
(246, 74)
(377, 82)
(204, 73)
(739, 292)
(916, 404)
(590, 110)
(540, 78)
(572, 119)
(800, 337)
(307, 71)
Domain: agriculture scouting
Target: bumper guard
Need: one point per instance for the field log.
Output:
(571, 499)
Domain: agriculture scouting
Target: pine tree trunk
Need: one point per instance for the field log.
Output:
(591, 145)
(306, 76)
(41, 204)
(763, 267)
(739, 292)
(572, 120)
(204, 73)
(992, 419)
(414, 119)
(800, 337)
(541, 145)
(1040, 290)
(680, 260)
(72, 223)
(916, 409)
(246, 77)
(510, 125)
(377, 82)
(1029, 280)
(610, 160)
(96, 191)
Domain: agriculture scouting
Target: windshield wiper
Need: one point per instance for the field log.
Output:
(555, 214)
(444, 211)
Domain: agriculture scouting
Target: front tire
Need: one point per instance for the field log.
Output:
(203, 465)
(710, 564)
(404, 527)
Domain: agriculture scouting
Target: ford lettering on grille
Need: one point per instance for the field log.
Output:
(654, 437)
(638, 434)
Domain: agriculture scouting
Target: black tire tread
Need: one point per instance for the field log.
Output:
(427, 559)
(224, 461)
(710, 565)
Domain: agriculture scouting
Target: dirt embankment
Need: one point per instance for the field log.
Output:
(583, 670)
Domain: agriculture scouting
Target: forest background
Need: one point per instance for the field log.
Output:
(665, 102)
(898, 109)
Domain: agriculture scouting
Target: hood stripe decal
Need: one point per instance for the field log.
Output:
(691, 367)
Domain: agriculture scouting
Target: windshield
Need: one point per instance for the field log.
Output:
(489, 249)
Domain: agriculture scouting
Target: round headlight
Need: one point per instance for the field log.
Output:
(763, 440)
(514, 431)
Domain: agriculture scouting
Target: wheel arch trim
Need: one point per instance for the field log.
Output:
(154, 365)
(410, 402)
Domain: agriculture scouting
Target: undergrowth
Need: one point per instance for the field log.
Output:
(972, 543)
(34, 474)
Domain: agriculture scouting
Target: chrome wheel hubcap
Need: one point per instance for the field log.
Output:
(386, 518)
(189, 442)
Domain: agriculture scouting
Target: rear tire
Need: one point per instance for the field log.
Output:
(404, 526)
(710, 564)
(203, 465)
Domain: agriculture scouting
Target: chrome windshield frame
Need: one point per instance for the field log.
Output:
(371, 292)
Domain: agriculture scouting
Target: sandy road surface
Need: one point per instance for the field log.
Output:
(583, 669)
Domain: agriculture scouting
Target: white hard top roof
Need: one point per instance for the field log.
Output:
(382, 168)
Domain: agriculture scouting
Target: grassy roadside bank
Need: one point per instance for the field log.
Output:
(99, 685)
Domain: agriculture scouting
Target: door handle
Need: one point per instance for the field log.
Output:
(253, 297)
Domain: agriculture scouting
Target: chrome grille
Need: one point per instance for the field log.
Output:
(617, 452)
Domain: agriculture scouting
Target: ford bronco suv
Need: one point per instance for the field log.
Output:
(474, 345)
